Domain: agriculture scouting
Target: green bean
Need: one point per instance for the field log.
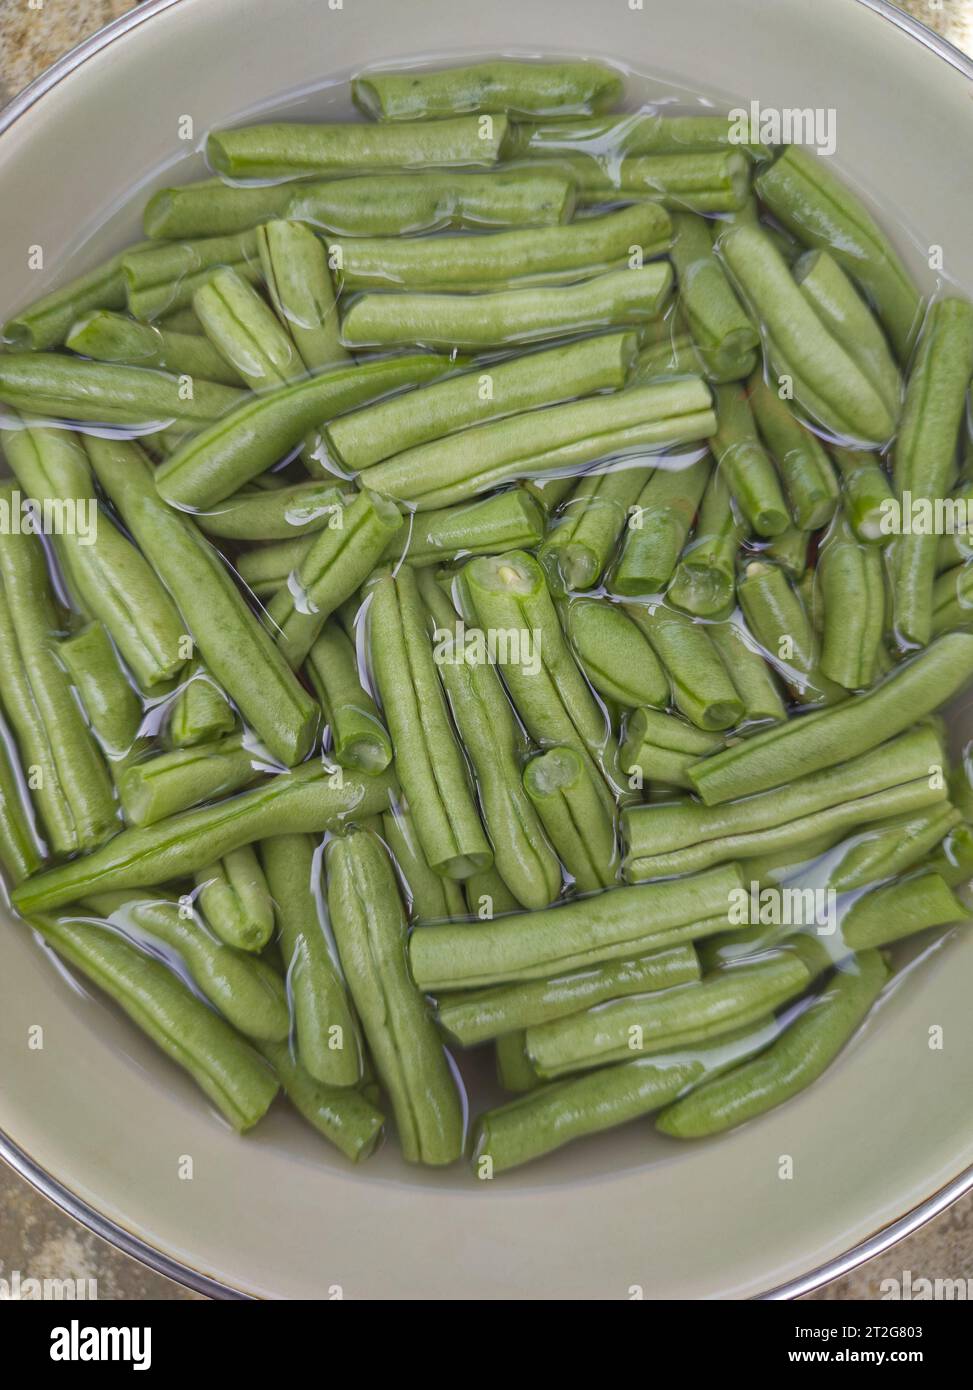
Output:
(778, 619)
(794, 1061)
(634, 133)
(21, 853)
(729, 999)
(802, 193)
(675, 357)
(701, 182)
(580, 542)
(165, 276)
(961, 781)
(867, 494)
(745, 464)
(487, 896)
(200, 712)
(394, 204)
(311, 798)
(358, 736)
(157, 787)
(705, 579)
(826, 737)
(514, 1070)
(573, 435)
(281, 514)
(295, 268)
(430, 897)
(428, 761)
(925, 454)
(556, 1114)
(246, 990)
(853, 592)
(111, 703)
(586, 931)
(478, 1015)
(660, 747)
(952, 599)
(267, 567)
(64, 765)
(789, 552)
(717, 321)
(328, 1044)
(509, 596)
(493, 743)
(701, 688)
(848, 318)
(212, 208)
(109, 577)
(826, 382)
(111, 337)
(374, 433)
(214, 463)
(955, 545)
(953, 860)
(234, 899)
(71, 388)
(508, 520)
(659, 527)
(246, 332)
(342, 1114)
(889, 848)
(615, 654)
(569, 804)
(291, 150)
(225, 1067)
(47, 321)
(900, 909)
(535, 89)
(181, 320)
(514, 259)
(337, 563)
(808, 477)
(237, 650)
(499, 318)
(896, 777)
(549, 492)
(750, 674)
(370, 930)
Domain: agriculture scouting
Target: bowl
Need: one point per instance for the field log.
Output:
(105, 1126)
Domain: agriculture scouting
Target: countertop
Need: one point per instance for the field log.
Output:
(38, 1239)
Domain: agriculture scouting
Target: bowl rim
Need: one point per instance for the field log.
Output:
(133, 1245)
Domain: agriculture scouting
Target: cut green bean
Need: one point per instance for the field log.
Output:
(632, 133)
(430, 897)
(344, 1116)
(494, 745)
(394, 204)
(21, 853)
(729, 999)
(853, 592)
(279, 514)
(701, 688)
(658, 528)
(717, 181)
(47, 321)
(750, 674)
(533, 89)
(234, 899)
(538, 945)
(900, 909)
(565, 436)
(749, 472)
(110, 337)
(155, 788)
(615, 654)
(200, 712)
(778, 619)
(825, 380)
(487, 896)
(225, 1067)
(568, 801)
(328, 1044)
(71, 388)
(337, 563)
(802, 193)
(246, 990)
(660, 747)
(952, 599)
(295, 268)
(704, 583)
(716, 318)
(806, 471)
(789, 551)
(110, 701)
(499, 318)
(478, 1015)
(582, 539)
(368, 436)
(866, 493)
(165, 276)
(370, 930)
(246, 332)
(428, 761)
(212, 208)
(110, 579)
(525, 256)
(358, 736)
(216, 462)
(514, 1070)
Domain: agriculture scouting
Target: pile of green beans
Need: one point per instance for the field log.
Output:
(474, 574)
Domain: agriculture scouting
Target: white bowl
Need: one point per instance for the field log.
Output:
(98, 1119)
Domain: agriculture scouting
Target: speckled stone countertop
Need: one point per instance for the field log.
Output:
(35, 1236)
